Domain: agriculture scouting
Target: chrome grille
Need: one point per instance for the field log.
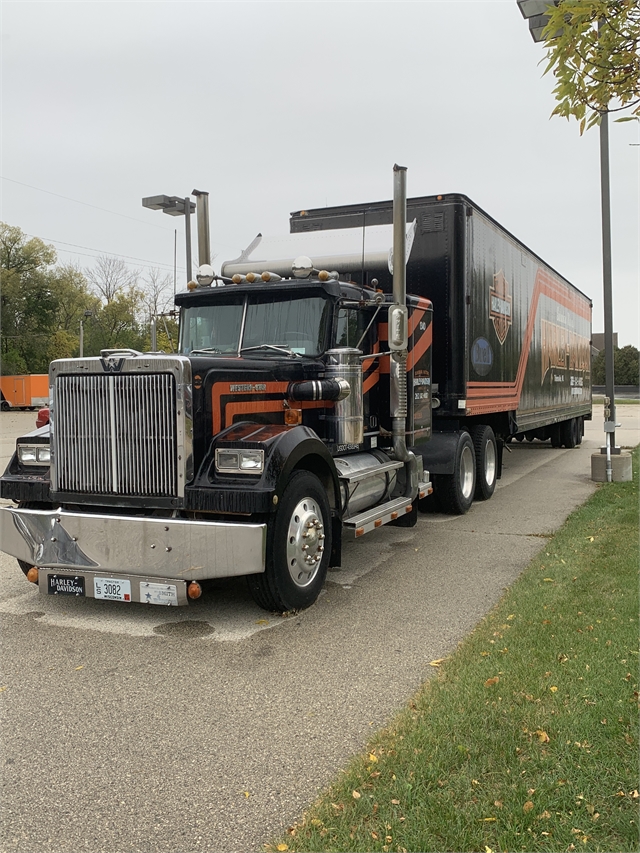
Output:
(115, 434)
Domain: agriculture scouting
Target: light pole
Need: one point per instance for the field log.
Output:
(533, 11)
(175, 206)
(84, 317)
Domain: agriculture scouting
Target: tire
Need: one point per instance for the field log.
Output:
(486, 450)
(290, 580)
(4, 406)
(556, 435)
(455, 491)
(569, 433)
(580, 422)
(520, 437)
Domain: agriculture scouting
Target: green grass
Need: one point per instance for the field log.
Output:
(620, 401)
(527, 736)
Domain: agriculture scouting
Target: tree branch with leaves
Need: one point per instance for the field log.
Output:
(593, 50)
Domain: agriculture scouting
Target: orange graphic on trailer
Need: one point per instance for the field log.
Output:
(500, 311)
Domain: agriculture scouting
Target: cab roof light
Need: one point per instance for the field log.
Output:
(270, 276)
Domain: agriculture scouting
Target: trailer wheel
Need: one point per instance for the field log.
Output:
(455, 491)
(556, 435)
(5, 406)
(298, 547)
(486, 450)
(569, 433)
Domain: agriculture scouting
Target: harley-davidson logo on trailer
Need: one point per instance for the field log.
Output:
(500, 311)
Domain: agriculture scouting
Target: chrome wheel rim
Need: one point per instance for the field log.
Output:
(305, 542)
(490, 463)
(467, 465)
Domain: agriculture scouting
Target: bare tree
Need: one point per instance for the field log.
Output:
(157, 291)
(111, 276)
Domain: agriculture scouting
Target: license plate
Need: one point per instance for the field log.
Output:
(158, 593)
(65, 585)
(112, 589)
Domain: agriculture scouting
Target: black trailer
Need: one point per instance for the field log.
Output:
(512, 337)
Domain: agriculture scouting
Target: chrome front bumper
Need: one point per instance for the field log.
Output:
(174, 548)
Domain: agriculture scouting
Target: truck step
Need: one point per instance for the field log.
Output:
(375, 517)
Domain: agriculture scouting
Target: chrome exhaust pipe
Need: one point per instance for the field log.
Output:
(202, 211)
(398, 333)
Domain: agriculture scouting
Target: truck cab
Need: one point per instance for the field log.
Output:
(251, 451)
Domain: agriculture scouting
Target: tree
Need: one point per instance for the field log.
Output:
(111, 276)
(593, 51)
(28, 301)
(626, 366)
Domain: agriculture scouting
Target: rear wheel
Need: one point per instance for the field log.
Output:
(298, 547)
(569, 433)
(486, 452)
(455, 491)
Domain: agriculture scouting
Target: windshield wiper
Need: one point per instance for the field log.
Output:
(280, 348)
(206, 349)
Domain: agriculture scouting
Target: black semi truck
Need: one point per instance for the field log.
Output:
(312, 398)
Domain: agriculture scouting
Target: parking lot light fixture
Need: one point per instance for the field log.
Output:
(174, 205)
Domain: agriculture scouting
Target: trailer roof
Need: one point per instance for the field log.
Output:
(362, 209)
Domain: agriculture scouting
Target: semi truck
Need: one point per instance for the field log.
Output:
(298, 411)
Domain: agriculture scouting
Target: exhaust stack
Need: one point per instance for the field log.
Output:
(204, 243)
(398, 331)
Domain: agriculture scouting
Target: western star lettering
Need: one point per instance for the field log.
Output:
(258, 387)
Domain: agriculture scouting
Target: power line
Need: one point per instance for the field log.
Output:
(85, 203)
(102, 251)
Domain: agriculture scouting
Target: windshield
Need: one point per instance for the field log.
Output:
(298, 324)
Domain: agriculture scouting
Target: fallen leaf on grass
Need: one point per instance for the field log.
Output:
(282, 847)
(553, 689)
(491, 681)
(527, 806)
(489, 819)
(395, 802)
(545, 815)
(542, 736)
(437, 662)
(373, 758)
(356, 795)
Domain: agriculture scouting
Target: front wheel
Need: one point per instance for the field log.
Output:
(298, 547)
(486, 449)
(455, 491)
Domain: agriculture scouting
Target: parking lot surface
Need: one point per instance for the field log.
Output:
(209, 728)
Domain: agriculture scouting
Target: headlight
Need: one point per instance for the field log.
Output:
(239, 461)
(34, 454)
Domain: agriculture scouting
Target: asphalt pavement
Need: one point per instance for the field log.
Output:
(212, 727)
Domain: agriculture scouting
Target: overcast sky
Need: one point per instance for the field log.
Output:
(276, 106)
